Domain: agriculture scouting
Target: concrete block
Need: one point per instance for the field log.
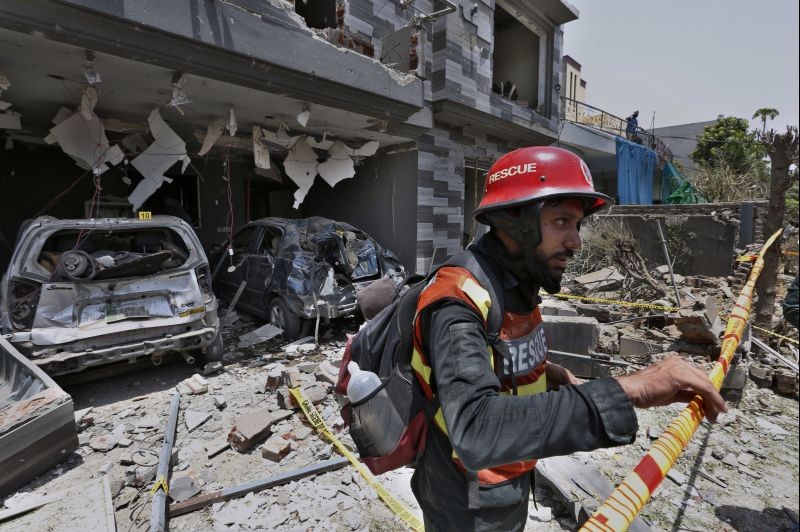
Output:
(250, 429)
(573, 334)
(315, 393)
(291, 378)
(629, 346)
(274, 378)
(327, 373)
(555, 307)
(275, 449)
(194, 385)
(696, 327)
(601, 280)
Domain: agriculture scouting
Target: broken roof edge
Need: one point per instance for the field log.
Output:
(338, 77)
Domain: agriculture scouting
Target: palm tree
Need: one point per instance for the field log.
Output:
(763, 113)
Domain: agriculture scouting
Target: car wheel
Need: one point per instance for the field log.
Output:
(278, 314)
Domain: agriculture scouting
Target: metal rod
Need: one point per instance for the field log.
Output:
(669, 263)
(634, 318)
(201, 501)
(157, 512)
(590, 358)
(763, 345)
(235, 299)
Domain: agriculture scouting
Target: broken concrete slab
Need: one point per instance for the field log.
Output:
(771, 427)
(696, 328)
(217, 446)
(572, 334)
(103, 443)
(86, 506)
(316, 393)
(251, 428)
(194, 419)
(327, 373)
(580, 486)
(260, 335)
(182, 486)
(556, 307)
(636, 349)
(601, 280)
(194, 385)
(238, 511)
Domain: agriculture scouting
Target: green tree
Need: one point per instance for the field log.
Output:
(727, 142)
(764, 113)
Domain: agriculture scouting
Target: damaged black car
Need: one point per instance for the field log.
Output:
(80, 293)
(298, 271)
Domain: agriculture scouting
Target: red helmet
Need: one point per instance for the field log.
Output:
(536, 173)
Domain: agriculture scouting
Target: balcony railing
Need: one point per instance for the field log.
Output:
(580, 113)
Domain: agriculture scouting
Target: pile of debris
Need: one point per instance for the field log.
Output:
(245, 456)
(642, 331)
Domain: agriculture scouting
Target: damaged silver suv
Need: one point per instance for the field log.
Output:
(80, 293)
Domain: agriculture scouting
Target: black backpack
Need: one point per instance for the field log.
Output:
(389, 426)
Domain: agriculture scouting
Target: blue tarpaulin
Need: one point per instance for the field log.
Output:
(635, 167)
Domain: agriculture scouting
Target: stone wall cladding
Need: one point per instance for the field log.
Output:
(457, 65)
(440, 181)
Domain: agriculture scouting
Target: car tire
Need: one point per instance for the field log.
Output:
(278, 314)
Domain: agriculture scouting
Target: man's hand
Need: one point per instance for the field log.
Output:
(672, 380)
(558, 375)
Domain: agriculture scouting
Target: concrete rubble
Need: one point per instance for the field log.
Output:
(241, 424)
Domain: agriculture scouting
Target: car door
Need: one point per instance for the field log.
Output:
(261, 265)
(234, 266)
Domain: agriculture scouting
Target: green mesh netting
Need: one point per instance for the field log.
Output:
(675, 189)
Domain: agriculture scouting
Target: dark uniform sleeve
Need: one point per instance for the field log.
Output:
(487, 429)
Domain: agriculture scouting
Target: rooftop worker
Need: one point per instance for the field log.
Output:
(497, 416)
(632, 126)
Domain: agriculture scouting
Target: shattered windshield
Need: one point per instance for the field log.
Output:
(73, 255)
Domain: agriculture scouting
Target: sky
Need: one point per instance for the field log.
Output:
(688, 60)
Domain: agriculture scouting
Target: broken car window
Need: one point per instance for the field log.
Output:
(72, 255)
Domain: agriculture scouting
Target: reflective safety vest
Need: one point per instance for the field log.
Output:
(523, 335)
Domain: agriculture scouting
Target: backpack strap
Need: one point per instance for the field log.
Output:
(483, 272)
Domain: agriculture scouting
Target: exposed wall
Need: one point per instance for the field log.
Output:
(381, 199)
(710, 233)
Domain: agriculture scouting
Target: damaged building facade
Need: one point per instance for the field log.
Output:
(382, 115)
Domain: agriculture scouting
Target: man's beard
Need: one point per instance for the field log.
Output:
(548, 276)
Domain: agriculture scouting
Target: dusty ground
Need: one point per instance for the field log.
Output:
(753, 451)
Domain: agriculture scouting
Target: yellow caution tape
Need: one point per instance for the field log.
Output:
(396, 505)
(626, 501)
(161, 482)
(773, 333)
(617, 302)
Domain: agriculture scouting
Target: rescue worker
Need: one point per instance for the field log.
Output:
(496, 415)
